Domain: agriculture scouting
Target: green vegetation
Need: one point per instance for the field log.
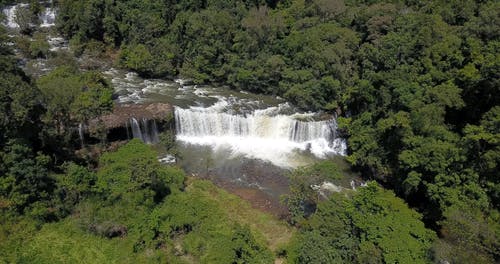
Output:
(369, 226)
(39, 47)
(26, 18)
(337, 225)
(72, 98)
(303, 199)
(136, 210)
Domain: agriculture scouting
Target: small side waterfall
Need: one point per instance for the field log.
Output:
(81, 133)
(145, 130)
(10, 15)
(304, 131)
(154, 132)
(48, 18)
(136, 129)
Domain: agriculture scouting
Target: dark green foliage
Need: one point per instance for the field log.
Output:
(157, 60)
(72, 98)
(74, 186)
(24, 178)
(39, 47)
(25, 185)
(302, 200)
(483, 142)
(246, 249)
(469, 235)
(20, 100)
(372, 226)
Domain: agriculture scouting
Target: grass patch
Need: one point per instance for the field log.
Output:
(275, 232)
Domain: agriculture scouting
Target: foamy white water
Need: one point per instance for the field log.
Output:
(10, 15)
(57, 43)
(48, 18)
(262, 134)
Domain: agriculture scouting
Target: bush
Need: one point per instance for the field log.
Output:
(157, 60)
(341, 232)
(39, 47)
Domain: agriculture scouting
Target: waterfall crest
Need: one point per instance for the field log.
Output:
(196, 123)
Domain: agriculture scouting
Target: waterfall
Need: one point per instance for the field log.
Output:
(128, 133)
(136, 129)
(146, 136)
(196, 123)
(81, 133)
(305, 131)
(155, 138)
(146, 130)
(10, 15)
(258, 134)
(48, 17)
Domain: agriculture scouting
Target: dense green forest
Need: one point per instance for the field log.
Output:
(415, 85)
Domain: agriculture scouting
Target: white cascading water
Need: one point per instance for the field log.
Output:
(48, 18)
(81, 133)
(136, 128)
(155, 138)
(262, 134)
(10, 16)
(145, 130)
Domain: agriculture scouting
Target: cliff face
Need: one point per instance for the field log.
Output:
(127, 121)
(123, 113)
